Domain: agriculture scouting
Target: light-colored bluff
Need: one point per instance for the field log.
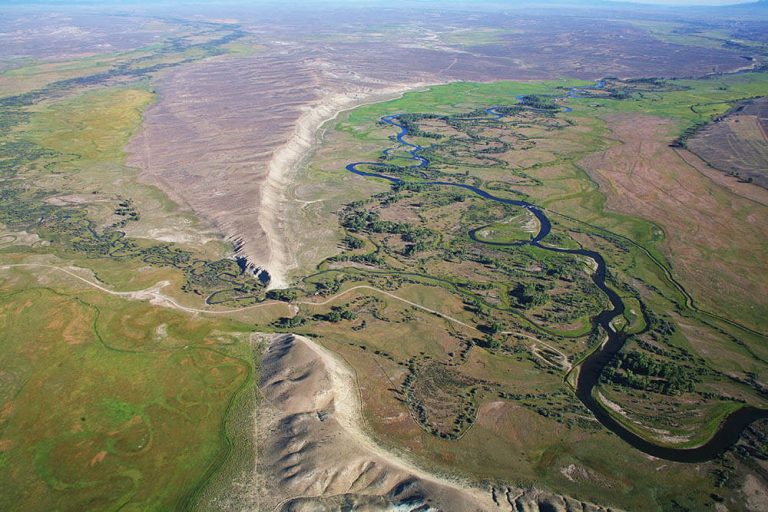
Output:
(226, 137)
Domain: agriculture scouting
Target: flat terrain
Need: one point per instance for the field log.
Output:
(517, 319)
(715, 241)
(737, 144)
(201, 308)
(134, 376)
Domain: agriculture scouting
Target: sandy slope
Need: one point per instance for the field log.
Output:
(227, 136)
(314, 452)
(285, 163)
(348, 412)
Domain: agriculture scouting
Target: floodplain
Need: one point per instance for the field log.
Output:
(249, 264)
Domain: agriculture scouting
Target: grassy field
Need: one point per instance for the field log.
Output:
(527, 427)
(455, 390)
(93, 127)
(678, 33)
(110, 404)
(737, 145)
(569, 189)
(118, 404)
(521, 225)
(697, 101)
(86, 203)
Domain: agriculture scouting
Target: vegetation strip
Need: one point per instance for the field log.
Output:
(590, 368)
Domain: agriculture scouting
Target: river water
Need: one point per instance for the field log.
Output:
(590, 369)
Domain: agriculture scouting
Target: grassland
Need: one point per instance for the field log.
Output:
(703, 36)
(109, 402)
(128, 398)
(522, 420)
(686, 102)
(87, 203)
(464, 346)
(736, 144)
(475, 381)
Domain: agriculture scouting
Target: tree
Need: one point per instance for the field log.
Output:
(489, 341)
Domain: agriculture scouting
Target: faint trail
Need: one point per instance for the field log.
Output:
(153, 294)
(590, 368)
(762, 127)
(348, 411)
(90, 283)
(567, 366)
(391, 295)
(449, 66)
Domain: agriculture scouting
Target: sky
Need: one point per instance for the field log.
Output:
(690, 2)
(320, 2)
(658, 2)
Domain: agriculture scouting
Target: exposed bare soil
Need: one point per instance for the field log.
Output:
(737, 144)
(738, 187)
(41, 33)
(315, 453)
(227, 135)
(717, 237)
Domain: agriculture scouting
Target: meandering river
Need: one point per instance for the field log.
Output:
(590, 369)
